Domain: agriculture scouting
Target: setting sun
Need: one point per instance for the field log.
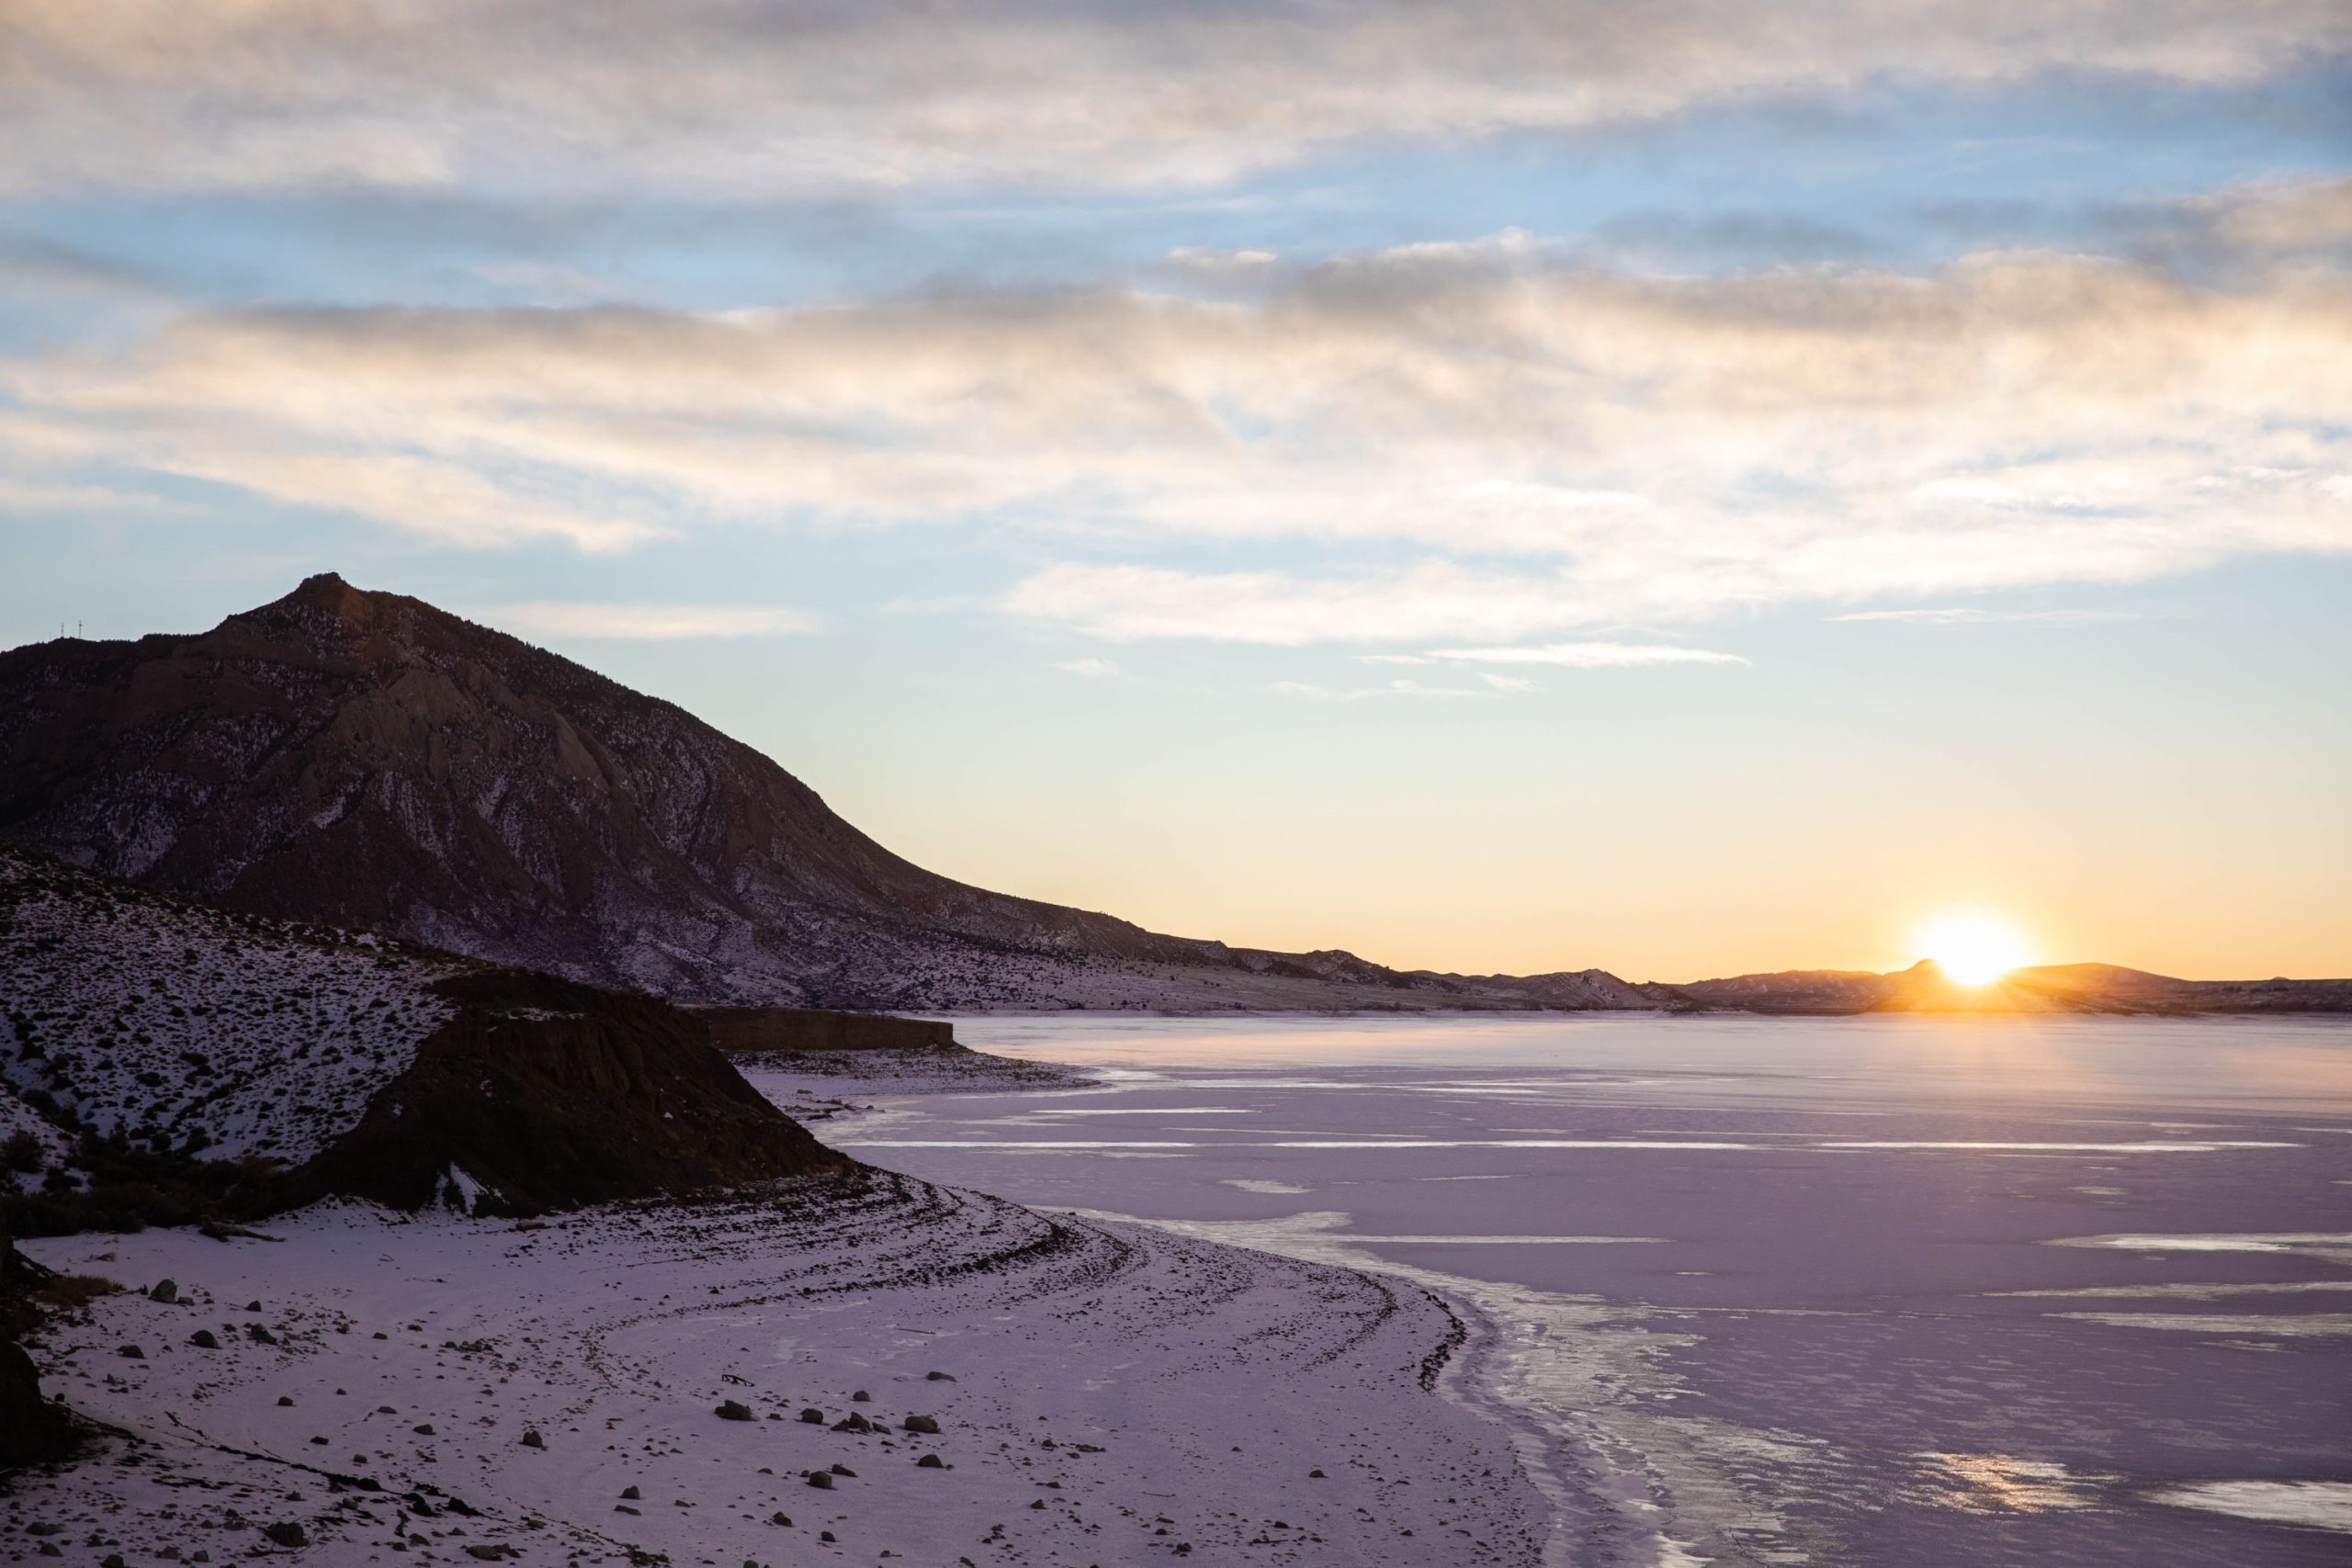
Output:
(1973, 949)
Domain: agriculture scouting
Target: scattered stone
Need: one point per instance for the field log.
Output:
(625, 1508)
(853, 1422)
(204, 1339)
(531, 1439)
(252, 1306)
(813, 1416)
(132, 1352)
(631, 1493)
(491, 1553)
(820, 1480)
(44, 1528)
(165, 1291)
(287, 1533)
(386, 1410)
(844, 1470)
(824, 1535)
(284, 1400)
(929, 1424)
(1317, 1475)
(114, 1559)
(780, 1517)
(938, 1377)
(49, 1548)
(424, 1431)
(931, 1462)
(735, 1410)
(1038, 1503)
(260, 1335)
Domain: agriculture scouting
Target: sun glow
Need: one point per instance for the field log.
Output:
(1973, 949)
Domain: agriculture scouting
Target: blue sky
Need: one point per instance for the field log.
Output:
(1681, 489)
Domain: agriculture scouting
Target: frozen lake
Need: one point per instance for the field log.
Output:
(1893, 1291)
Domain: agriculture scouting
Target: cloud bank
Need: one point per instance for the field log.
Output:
(650, 623)
(757, 98)
(1475, 444)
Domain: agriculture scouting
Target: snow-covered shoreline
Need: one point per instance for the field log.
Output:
(1113, 1392)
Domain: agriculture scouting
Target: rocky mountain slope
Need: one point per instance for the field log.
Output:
(163, 1060)
(367, 761)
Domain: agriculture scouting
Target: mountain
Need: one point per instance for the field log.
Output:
(161, 1060)
(366, 761)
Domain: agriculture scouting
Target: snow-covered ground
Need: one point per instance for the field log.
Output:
(193, 1028)
(1112, 1393)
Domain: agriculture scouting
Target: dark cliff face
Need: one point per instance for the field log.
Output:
(545, 1094)
(368, 761)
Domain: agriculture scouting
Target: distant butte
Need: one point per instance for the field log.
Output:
(368, 761)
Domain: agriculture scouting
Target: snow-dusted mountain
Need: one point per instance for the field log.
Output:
(161, 1059)
(367, 761)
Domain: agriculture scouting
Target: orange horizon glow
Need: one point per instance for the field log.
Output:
(1973, 947)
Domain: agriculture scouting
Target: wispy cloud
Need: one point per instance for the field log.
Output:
(1977, 616)
(1591, 655)
(781, 98)
(1092, 669)
(650, 623)
(1412, 689)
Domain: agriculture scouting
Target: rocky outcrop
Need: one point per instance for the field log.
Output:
(793, 1029)
(188, 1064)
(33, 1428)
(547, 1094)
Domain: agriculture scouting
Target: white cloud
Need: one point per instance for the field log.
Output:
(661, 623)
(1977, 615)
(1362, 694)
(1590, 655)
(1092, 669)
(1509, 682)
(1543, 447)
(797, 95)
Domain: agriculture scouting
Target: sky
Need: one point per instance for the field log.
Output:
(1686, 487)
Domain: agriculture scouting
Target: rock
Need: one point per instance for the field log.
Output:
(260, 1335)
(252, 1306)
(493, 1552)
(853, 1422)
(386, 1410)
(49, 1548)
(1315, 1475)
(284, 1400)
(735, 1410)
(165, 1291)
(844, 1470)
(929, 1424)
(631, 1493)
(286, 1532)
(1038, 1503)
(131, 1352)
(204, 1339)
(824, 1535)
(939, 1377)
(931, 1462)
(861, 1397)
(424, 1431)
(813, 1416)
(114, 1559)
(625, 1508)
(532, 1439)
(780, 1517)
(820, 1480)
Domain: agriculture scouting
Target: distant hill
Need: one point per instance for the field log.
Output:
(366, 761)
(164, 1061)
(2067, 987)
